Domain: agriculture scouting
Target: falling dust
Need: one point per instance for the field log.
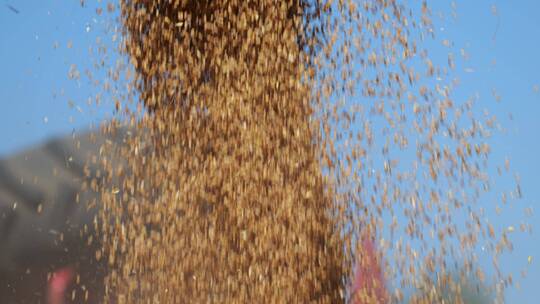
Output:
(269, 143)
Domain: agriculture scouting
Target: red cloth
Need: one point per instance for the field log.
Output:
(368, 283)
(58, 285)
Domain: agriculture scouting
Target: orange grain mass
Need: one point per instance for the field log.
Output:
(267, 137)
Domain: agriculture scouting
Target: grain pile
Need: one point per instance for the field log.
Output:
(267, 141)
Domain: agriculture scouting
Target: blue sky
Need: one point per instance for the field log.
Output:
(503, 47)
(35, 90)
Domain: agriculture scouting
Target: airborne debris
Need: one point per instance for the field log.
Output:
(11, 8)
(264, 145)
